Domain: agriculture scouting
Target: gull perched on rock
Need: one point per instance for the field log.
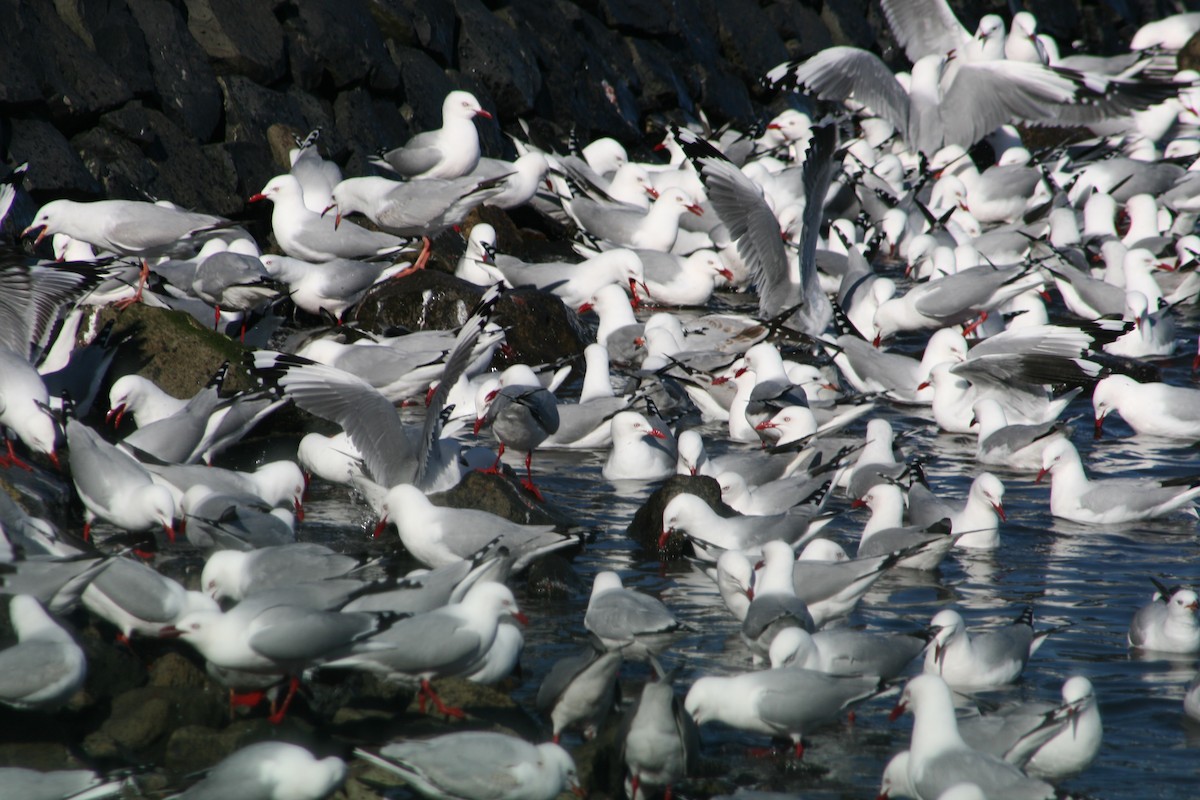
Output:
(448, 152)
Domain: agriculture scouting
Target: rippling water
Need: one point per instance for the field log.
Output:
(1090, 578)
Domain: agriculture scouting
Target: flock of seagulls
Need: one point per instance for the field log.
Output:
(877, 232)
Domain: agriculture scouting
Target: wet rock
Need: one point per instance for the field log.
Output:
(55, 168)
(646, 526)
(172, 670)
(430, 25)
(503, 496)
(43, 756)
(338, 41)
(192, 748)
(491, 51)
(240, 38)
(113, 669)
(174, 350)
(637, 17)
(540, 329)
(553, 578)
(186, 84)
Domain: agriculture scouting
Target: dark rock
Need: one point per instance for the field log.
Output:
(365, 125)
(646, 526)
(44, 756)
(540, 328)
(338, 41)
(142, 719)
(662, 87)
(173, 670)
(847, 24)
(1189, 55)
(192, 748)
(240, 38)
(637, 17)
(138, 152)
(250, 111)
(430, 25)
(503, 496)
(553, 578)
(76, 83)
(802, 29)
(721, 94)
(118, 40)
(425, 87)
(490, 51)
(18, 62)
(41, 492)
(186, 84)
(112, 669)
(174, 350)
(748, 38)
(55, 168)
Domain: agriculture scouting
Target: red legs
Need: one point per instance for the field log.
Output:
(245, 700)
(528, 482)
(494, 469)
(12, 459)
(143, 276)
(969, 329)
(422, 259)
(277, 715)
(427, 691)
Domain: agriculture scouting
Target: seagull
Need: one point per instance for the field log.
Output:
(640, 451)
(711, 533)
(659, 740)
(978, 520)
(479, 765)
(420, 208)
(270, 771)
(138, 599)
(622, 619)
(845, 651)
(785, 701)
(774, 607)
(1051, 741)
(114, 487)
(437, 535)
(451, 640)
(1076, 497)
(305, 234)
(992, 658)
(579, 690)
(448, 152)
(1167, 623)
(1151, 409)
(1016, 446)
(939, 759)
(234, 574)
(46, 666)
(522, 414)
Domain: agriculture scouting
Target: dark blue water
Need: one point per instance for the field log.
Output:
(1090, 578)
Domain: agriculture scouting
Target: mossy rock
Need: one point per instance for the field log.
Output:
(174, 350)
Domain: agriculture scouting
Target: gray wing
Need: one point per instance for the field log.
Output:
(768, 609)
(623, 614)
(31, 300)
(138, 589)
(238, 775)
(419, 154)
(296, 563)
(819, 166)
(925, 508)
(293, 634)
(1133, 493)
(370, 421)
(924, 27)
(839, 73)
(428, 455)
(851, 652)
(29, 667)
(740, 204)
(995, 777)
(794, 700)
(479, 766)
(986, 95)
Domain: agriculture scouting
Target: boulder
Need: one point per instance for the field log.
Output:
(365, 124)
(643, 18)
(338, 41)
(117, 38)
(142, 720)
(55, 169)
(492, 52)
(425, 86)
(646, 526)
(185, 82)
(801, 28)
(428, 25)
(240, 38)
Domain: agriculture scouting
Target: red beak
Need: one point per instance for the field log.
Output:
(520, 617)
(379, 526)
(662, 540)
(114, 415)
(999, 511)
(254, 198)
(695, 209)
(484, 114)
(900, 708)
(656, 433)
(766, 424)
(858, 503)
(1041, 474)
